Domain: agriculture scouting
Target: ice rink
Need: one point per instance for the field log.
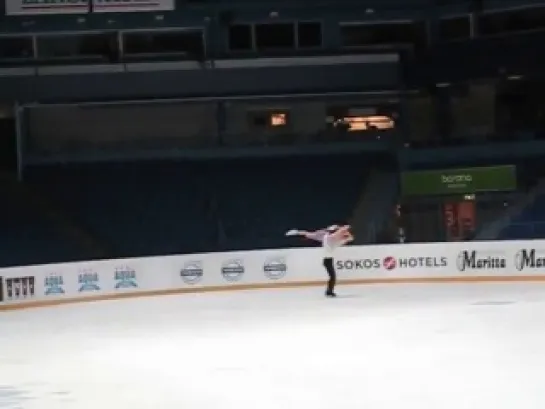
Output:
(440, 346)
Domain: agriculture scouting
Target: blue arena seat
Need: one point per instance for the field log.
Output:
(158, 208)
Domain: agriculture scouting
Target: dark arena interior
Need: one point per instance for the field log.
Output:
(134, 129)
(123, 129)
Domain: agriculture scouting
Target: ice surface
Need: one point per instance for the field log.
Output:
(378, 347)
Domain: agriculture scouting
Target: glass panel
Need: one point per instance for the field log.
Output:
(118, 128)
(16, 48)
(421, 119)
(240, 37)
(275, 36)
(531, 18)
(188, 42)
(473, 112)
(360, 35)
(358, 119)
(99, 46)
(521, 111)
(455, 28)
(309, 35)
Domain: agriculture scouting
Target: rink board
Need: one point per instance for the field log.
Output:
(53, 284)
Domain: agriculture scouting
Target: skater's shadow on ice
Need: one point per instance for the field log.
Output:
(348, 296)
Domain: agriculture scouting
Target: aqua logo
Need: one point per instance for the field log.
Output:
(54, 284)
(125, 277)
(88, 280)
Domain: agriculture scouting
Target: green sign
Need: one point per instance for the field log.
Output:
(459, 181)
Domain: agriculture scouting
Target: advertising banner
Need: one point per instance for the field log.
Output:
(459, 181)
(469, 261)
(20, 288)
(33, 7)
(127, 6)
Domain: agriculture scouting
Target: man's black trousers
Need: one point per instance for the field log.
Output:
(328, 264)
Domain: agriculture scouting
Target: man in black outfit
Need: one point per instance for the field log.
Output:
(330, 268)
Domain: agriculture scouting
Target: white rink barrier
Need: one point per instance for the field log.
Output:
(399, 263)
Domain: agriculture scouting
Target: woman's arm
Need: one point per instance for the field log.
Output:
(317, 235)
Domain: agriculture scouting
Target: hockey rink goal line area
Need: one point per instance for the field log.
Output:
(53, 284)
